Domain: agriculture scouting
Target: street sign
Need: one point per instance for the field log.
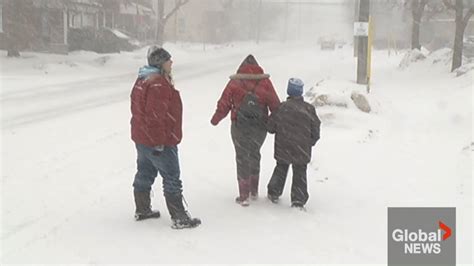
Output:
(361, 29)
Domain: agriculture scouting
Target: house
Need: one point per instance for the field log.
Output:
(44, 25)
(196, 21)
(135, 19)
(213, 21)
(84, 13)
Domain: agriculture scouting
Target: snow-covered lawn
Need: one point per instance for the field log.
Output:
(68, 161)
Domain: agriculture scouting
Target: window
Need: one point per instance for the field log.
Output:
(88, 20)
(74, 20)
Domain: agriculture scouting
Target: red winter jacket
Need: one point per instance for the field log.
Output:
(157, 112)
(246, 79)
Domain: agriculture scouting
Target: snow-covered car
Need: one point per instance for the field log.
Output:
(340, 43)
(327, 43)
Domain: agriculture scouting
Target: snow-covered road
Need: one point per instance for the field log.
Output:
(40, 102)
(68, 161)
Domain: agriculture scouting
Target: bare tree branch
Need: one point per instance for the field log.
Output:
(177, 6)
(423, 3)
(449, 4)
(434, 9)
(418, 8)
(468, 15)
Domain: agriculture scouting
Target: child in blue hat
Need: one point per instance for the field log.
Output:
(296, 128)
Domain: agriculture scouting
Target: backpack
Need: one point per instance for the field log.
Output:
(250, 112)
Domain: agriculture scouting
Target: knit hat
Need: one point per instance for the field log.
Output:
(157, 56)
(295, 87)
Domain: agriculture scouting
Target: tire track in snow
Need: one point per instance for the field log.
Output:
(66, 98)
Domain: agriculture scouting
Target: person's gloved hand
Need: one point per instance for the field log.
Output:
(157, 150)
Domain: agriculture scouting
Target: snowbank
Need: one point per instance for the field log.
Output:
(411, 57)
(51, 69)
(338, 93)
(440, 58)
(464, 69)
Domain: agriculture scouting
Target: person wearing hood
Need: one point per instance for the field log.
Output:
(248, 96)
(296, 128)
(156, 128)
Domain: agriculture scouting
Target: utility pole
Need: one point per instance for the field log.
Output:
(362, 55)
(356, 16)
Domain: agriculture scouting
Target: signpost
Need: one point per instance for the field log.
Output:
(361, 29)
(369, 53)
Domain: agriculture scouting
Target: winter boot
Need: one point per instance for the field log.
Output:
(298, 205)
(273, 199)
(244, 191)
(143, 207)
(254, 187)
(179, 216)
(242, 202)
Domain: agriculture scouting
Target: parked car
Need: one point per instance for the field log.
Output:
(327, 43)
(340, 43)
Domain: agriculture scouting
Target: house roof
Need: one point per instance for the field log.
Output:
(135, 9)
(49, 4)
(60, 4)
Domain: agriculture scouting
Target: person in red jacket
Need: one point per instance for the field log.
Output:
(249, 95)
(156, 128)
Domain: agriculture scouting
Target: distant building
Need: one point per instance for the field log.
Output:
(137, 20)
(43, 25)
(196, 21)
(211, 21)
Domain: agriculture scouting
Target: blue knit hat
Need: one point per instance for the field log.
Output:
(295, 87)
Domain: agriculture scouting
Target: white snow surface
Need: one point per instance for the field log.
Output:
(68, 161)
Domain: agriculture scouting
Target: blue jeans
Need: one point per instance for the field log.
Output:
(149, 165)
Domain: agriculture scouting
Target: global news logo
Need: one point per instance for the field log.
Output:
(421, 236)
(421, 242)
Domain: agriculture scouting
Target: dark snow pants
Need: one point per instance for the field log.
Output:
(149, 164)
(247, 143)
(299, 187)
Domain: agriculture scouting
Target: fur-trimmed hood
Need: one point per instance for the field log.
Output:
(249, 76)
